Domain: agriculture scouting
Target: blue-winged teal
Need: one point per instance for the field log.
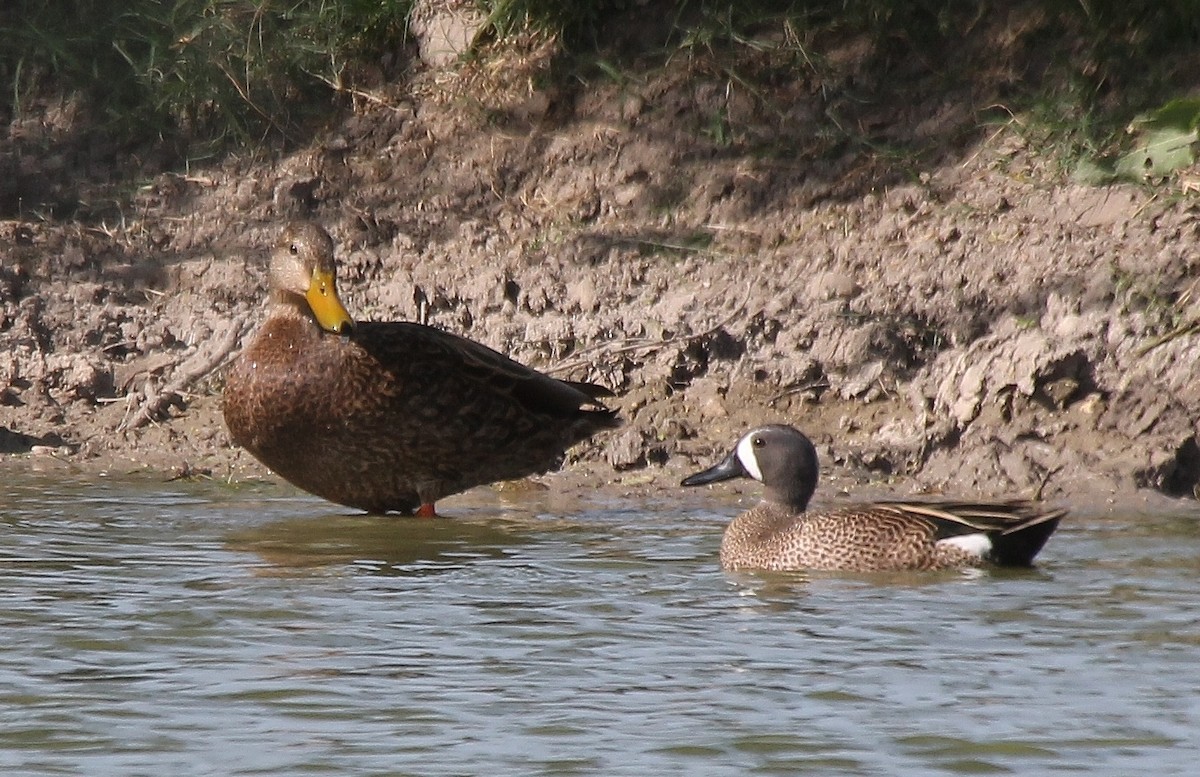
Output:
(389, 416)
(779, 534)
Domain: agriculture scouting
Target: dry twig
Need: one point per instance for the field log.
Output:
(630, 346)
(1180, 331)
(203, 360)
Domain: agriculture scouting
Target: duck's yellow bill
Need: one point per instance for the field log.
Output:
(323, 299)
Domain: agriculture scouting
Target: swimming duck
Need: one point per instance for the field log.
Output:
(389, 416)
(778, 534)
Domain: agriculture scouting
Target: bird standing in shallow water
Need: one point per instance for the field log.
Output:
(389, 416)
(779, 534)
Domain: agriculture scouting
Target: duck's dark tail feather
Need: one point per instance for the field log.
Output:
(1017, 546)
(588, 404)
(604, 418)
(593, 390)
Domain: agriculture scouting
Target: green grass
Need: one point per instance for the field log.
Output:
(212, 71)
(203, 69)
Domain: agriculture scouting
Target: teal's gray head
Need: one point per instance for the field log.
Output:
(778, 456)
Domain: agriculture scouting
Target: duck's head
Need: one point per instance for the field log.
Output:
(778, 456)
(303, 274)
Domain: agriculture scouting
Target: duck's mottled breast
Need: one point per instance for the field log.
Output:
(279, 383)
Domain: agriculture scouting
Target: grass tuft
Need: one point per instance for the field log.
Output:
(202, 69)
(244, 70)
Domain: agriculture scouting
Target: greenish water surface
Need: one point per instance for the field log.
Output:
(193, 629)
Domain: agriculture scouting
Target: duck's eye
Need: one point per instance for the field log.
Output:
(295, 249)
(759, 442)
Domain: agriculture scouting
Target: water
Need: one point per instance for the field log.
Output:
(195, 629)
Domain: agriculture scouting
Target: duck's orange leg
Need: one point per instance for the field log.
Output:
(426, 510)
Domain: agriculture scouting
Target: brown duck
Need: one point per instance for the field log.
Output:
(779, 534)
(389, 416)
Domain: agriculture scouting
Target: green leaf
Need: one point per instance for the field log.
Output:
(1181, 114)
(1160, 153)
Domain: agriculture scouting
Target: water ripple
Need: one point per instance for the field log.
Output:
(203, 631)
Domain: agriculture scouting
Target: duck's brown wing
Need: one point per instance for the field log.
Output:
(416, 348)
(1017, 529)
(956, 518)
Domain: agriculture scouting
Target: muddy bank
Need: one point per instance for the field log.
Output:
(967, 322)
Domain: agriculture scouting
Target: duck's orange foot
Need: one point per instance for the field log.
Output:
(426, 510)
